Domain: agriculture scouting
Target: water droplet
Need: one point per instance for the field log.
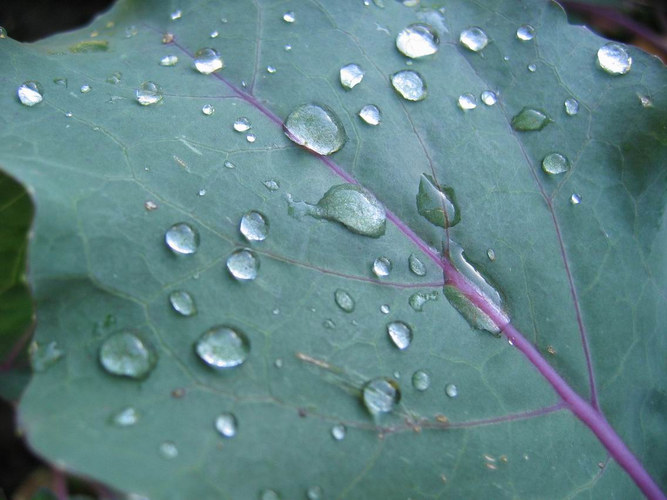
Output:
(614, 59)
(418, 299)
(182, 238)
(474, 38)
(271, 69)
(370, 114)
(489, 97)
(381, 395)
(243, 265)
(416, 265)
(571, 106)
(532, 67)
(169, 60)
(385, 309)
(344, 300)
(201, 192)
(525, 32)
(400, 334)
(229, 164)
(382, 267)
(69, 114)
(214, 34)
(150, 205)
(555, 163)
(451, 390)
(254, 226)
(289, 17)
(491, 254)
(315, 127)
(467, 101)
(271, 185)
(575, 199)
(437, 204)
(125, 354)
(278, 363)
(44, 356)
(208, 109)
(288, 47)
(176, 15)
(223, 347)
(530, 119)
(417, 40)
(3, 32)
(351, 75)
(421, 380)
(85, 89)
(168, 450)
(167, 38)
(149, 93)
(126, 417)
(251, 138)
(314, 493)
(182, 302)
(30, 93)
(329, 324)
(410, 85)
(226, 425)
(645, 100)
(338, 432)
(208, 60)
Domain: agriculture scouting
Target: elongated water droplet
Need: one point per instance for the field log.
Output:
(271, 185)
(474, 38)
(410, 85)
(530, 119)
(226, 425)
(43, 356)
(223, 347)
(571, 106)
(354, 207)
(385, 309)
(370, 114)
(243, 265)
(421, 380)
(229, 164)
(169, 60)
(451, 390)
(289, 17)
(30, 93)
(382, 267)
(525, 32)
(329, 324)
(126, 417)
(127, 355)
(418, 299)
(242, 124)
(467, 101)
(271, 69)
(555, 163)
(491, 254)
(254, 226)
(338, 432)
(437, 204)
(489, 97)
(416, 265)
(182, 238)
(315, 493)
(176, 15)
(208, 109)
(400, 334)
(315, 127)
(381, 395)
(208, 60)
(614, 59)
(575, 199)
(183, 303)
(351, 75)
(417, 40)
(344, 300)
(168, 450)
(148, 94)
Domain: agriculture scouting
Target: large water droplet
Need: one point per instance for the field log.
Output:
(338, 432)
(489, 97)
(315, 127)
(351, 75)
(381, 395)
(344, 300)
(148, 93)
(223, 347)
(354, 207)
(474, 38)
(410, 85)
(417, 40)
(421, 380)
(571, 106)
(530, 119)
(125, 354)
(168, 450)
(418, 299)
(437, 204)
(315, 493)
(182, 302)
(243, 265)
(451, 390)
(555, 163)
(226, 425)
(382, 267)
(169, 60)
(416, 265)
(182, 238)
(254, 226)
(400, 334)
(614, 59)
(44, 356)
(370, 114)
(525, 32)
(30, 93)
(207, 61)
(467, 101)
(126, 417)
(242, 124)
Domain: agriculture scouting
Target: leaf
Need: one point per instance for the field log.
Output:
(575, 278)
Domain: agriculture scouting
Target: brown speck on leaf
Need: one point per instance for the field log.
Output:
(178, 393)
(167, 38)
(551, 350)
(302, 412)
(442, 419)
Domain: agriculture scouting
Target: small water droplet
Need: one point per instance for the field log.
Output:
(168, 450)
(418, 299)
(30, 93)
(176, 15)
(421, 380)
(214, 34)
(474, 38)
(532, 67)
(149, 93)
(254, 226)
(251, 138)
(467, 101)
(85, 89)
(571, 106)
(385, 309)
(315, 127)
(226, 425)
(201, 192)
(126, 354)
(451, 390)
(489, 97)
(269, 495)
(289, 17)
(370, 114)
(208, 60)
(169, 60)
(645, 100)
(575, 199)
(229, 164)
(223, 347)
(271, 69)
(525, 32)
(182, 302)
(338, 432)
(417, 40)
(3, 33)
(530, 119)
(416, 265)
(243, 265)
(351, 75)
(314, 493)
(491, 254)
(287, 47)
(69, 114)
(400, 334)
(410, 85)
(344, 300)
(329, 324)
(150, 205)
(126, 417)
(555, 163)
(381, 395)
(182, 238)
(43, 356)
(278, 363)
(437, 204)
(242, 124)
(208, 109)
(382, 267)
(614, 59)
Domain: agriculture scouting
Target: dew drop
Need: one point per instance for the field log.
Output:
(278, 363)
(271, 185)
(287, 47)
(289, 17)
(314, 493)
(254, 226)
(148, 93)
(168, 450)
(269, 495)
(3, 33)
(451, 390)
(182, 238)
(229, 164)
(208, 109)
(30, 93)
(167, 38)
(530, 119)
(315, 127)
(645, 101)
(614, 59)
(271, 69)
(150, 206)
(223, 347)
(242, 124)
(437, 204)
(575, 199)
(243, 265)
(126, 417)
(418, 299)
(381, 395)
(409, 85)
(126, 355)
(571, 106)
(354, 207)
(208, 60)
(176, 15)
(214, 34)
(417, 40)
(351, 75)
(467, 101)
(385, 309)
(417, 267)
(525, 32)
(400, 334)
(532, 67)
(474, 38)
(226, 425)
(329, 324)
(555, 163)
(251, 138)
(182, 302)
(169, 60)
(421, 380)
(344, 300)
(370, 114)
(42, 356)
(338, 432)
(382, 267)
(85, 89)
(491, 254)
(489, 97)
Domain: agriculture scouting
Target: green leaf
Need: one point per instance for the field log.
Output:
(583, 282)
